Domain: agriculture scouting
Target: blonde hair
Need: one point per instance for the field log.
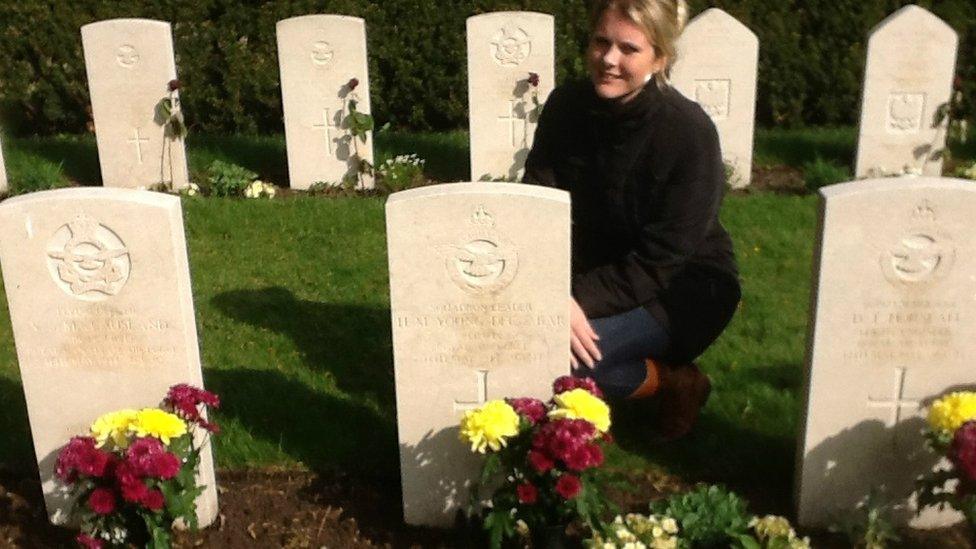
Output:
(661, 20)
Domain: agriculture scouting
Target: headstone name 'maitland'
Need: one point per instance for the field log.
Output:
(479, 291)
(717, 66)
(893, 328)
(318, 55)
(907, 82)
(98, 286)
(130, 65)
(503, 102)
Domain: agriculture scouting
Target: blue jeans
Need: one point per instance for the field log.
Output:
(625, 341)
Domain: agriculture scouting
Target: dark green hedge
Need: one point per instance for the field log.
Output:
(811, 56)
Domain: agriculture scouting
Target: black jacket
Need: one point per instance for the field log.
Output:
(646, 179)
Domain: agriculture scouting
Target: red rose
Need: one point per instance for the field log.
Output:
(174, 85)
(527, 493)
(596, 455)
(539, 461)
(153, 500)
(531, 409)
(185, 400)
(533, 79)
(81, 456)
(130, 483)
(568, 383)
(142, 454)
(962, 453)
(353, 82)
(102, 501)
(568, 486)
(166, 466)
(89, 542)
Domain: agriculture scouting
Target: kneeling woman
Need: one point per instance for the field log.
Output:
(654, 276)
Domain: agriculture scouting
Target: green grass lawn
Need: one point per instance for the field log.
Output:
(292, 306)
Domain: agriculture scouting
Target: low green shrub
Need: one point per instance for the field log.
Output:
(709, 516)
(820, 173)
(400, 173)
(30, 174)
(226, 179)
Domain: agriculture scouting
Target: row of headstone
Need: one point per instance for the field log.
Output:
(478, 308)
(130, 64)
(98, 287)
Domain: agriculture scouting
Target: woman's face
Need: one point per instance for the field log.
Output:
(620, 58)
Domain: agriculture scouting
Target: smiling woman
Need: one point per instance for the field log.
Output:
(654, 277)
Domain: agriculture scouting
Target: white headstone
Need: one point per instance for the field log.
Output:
(503, 49)
(893, 327)
(130, 65)
(318, 56)
(479, 293)
(717, 66)
(98, 286)
(908, 77)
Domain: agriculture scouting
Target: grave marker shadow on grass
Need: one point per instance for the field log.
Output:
(333, 338)
(16, 448)
(327, 433)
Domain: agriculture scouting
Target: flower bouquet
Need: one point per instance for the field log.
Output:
(547, 455)
(134, 475)
(952, 433)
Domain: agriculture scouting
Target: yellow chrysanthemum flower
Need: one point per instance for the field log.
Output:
(580, 404)
(114, 426)
(951, 411)
(489, 426)
(153, 422)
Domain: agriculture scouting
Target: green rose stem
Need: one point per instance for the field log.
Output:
(359, 125)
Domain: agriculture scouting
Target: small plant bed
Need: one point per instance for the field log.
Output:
(280, 508)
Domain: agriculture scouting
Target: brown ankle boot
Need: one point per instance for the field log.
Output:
(683, 391)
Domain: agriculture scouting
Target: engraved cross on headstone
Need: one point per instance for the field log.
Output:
(897, 401)
(460, 405)
(512, 119)
(138, 141)
(327, 125)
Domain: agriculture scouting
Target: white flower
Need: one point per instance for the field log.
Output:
(670, 525)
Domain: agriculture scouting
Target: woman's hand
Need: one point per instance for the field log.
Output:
(582, 338)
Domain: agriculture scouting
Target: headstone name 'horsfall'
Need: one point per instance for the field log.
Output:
(504, 48)
(907, 83)
(130, 65)
(98, 286)
(893, 327)
(717, 67)
(318, 56)
(479, 293)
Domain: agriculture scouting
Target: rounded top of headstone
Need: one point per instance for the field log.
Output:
(110, 24)
(715, 17)
(321, 18)
(912, 18)
(509, 14)
(895, 184)
(480, 188)
(135, 196)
